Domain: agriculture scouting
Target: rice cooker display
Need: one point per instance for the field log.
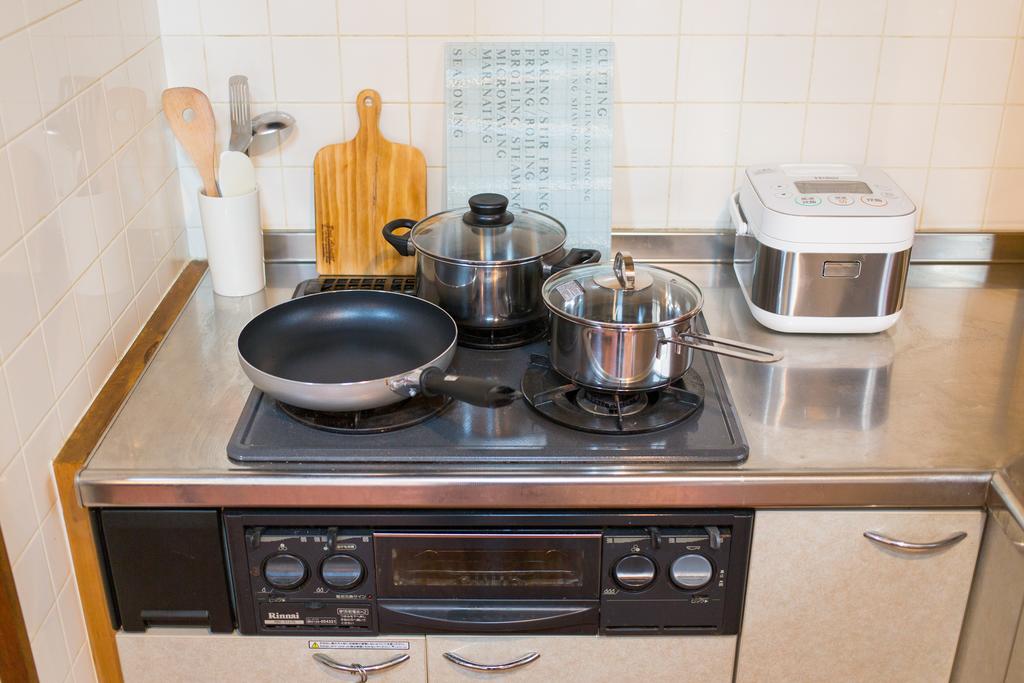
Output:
(833, 186)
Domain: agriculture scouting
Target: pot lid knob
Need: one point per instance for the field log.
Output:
(487, 210)
(625, 271)
(624, 276)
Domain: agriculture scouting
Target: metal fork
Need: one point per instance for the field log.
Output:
(241, 119)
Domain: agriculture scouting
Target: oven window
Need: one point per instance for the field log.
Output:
(491, 568)
(487, 566)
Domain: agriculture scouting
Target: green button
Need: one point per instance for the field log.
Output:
(807, 200)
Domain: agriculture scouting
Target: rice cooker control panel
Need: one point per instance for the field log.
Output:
(828, 190)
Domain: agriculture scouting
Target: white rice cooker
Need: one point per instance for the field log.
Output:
(822, 247)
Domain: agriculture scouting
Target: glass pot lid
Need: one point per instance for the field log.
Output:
(622, 294)
(488, 233)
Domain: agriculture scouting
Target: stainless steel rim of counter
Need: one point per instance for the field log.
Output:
(546, 491)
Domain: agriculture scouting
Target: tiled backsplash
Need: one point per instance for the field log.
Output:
(932, 90)
(91, 236)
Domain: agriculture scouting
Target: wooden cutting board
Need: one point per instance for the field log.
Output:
(358, 187)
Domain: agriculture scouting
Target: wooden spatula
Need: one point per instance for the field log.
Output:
(359, 186)
(190, 116)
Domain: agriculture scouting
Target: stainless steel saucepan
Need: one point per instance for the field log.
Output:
(485, 265)
(629, 327)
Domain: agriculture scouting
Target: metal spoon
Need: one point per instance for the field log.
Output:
(271, 122)
(265, 125)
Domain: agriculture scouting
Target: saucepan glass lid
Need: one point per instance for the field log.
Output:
(622, 293)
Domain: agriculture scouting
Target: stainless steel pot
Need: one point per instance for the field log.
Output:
(486, 265)
(629, 327)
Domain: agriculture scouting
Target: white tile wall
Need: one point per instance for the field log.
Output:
(702, 89)
(91, 235)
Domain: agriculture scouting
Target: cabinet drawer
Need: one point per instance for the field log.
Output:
(595, 659)
(826, 603)
(167, 654)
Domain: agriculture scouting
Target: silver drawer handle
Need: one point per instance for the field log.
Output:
(361, 670)
(918, 548)
(514, 664)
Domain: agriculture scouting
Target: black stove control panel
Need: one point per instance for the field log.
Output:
(629, 573)
(665, 579)
(311, 578)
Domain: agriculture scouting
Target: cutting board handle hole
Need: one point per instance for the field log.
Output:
(188, 115)
(367, 101)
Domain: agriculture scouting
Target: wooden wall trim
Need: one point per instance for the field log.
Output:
(79, 446)
(16, 663)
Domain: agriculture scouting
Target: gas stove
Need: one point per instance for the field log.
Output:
(691, 421)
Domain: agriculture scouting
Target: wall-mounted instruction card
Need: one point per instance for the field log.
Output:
(533, 121)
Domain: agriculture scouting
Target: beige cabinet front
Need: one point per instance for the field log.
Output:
(167, 654)
(825, 603)
(594, 659)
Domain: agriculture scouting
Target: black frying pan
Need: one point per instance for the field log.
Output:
(358, 349)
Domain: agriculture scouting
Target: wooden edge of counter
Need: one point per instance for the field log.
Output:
(16, 663)
(78, 447)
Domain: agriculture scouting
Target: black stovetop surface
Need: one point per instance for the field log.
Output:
(515, 434)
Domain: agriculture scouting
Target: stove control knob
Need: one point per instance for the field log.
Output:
(284, 571)
(634, 572)
(691, 572)
(342, 571)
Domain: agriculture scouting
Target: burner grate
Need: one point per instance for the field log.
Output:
(390, 418)
(558, 399)
(611, 403)
(405, 284)
(503, 338)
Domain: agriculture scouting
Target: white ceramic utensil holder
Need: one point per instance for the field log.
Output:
(234, 243)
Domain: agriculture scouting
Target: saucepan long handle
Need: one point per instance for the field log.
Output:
(724, 347)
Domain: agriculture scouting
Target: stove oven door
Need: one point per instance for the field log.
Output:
(501, 582)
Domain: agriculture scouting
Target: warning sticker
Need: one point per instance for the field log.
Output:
(570, 290)
(359, 645)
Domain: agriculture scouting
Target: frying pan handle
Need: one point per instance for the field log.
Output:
(401, 243)
(575, 257)
(474, 390)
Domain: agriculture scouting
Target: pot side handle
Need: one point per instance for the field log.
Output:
(725, 347)
(575, 257)
(401, 243)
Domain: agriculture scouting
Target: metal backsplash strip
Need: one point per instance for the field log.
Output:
(294, 246)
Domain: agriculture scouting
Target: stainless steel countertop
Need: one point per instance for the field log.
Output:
(921, 415)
